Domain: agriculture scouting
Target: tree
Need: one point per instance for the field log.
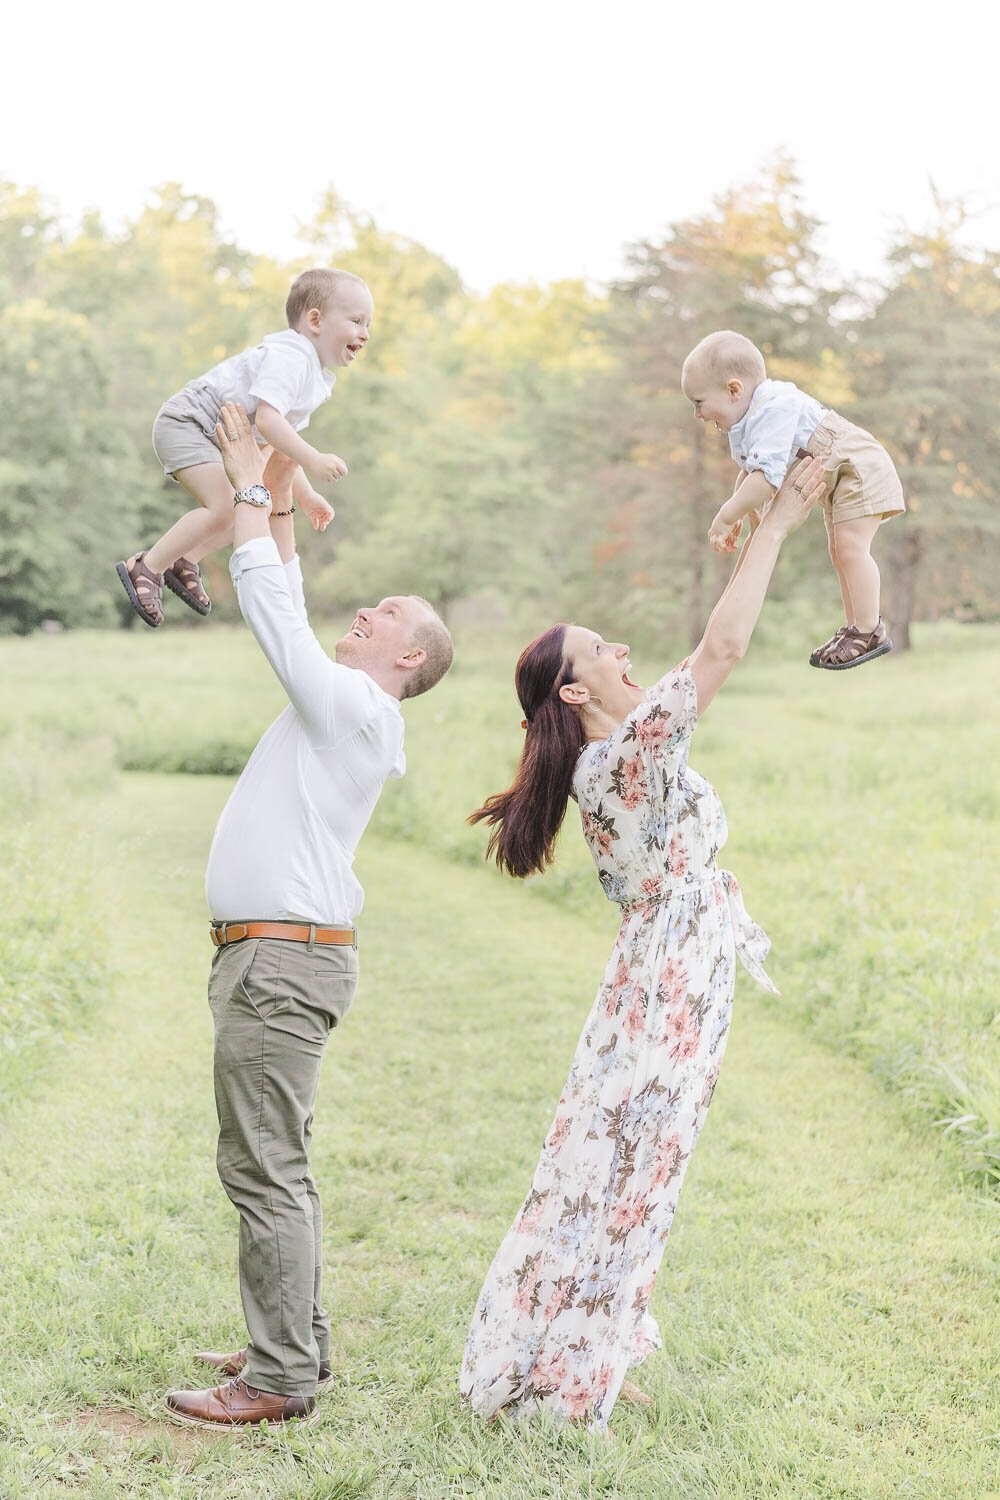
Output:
(64, 472)
(928, 384)
(749, 265)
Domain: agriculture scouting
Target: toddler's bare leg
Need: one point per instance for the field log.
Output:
(200, 531)
(278, 476)
(858, 570)
(845, 593)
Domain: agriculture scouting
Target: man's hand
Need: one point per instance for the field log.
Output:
(327, 467)
(319, 511)
(241, 458)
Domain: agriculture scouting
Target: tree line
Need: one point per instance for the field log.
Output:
(524, 452)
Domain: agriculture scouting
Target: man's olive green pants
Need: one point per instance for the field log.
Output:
(274, 1004)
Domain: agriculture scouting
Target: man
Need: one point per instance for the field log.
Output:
(283, 900)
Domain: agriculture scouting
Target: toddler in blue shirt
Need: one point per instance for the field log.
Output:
(771, 425)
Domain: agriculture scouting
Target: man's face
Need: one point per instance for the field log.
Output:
(381, 634)
(342, 331)
(713, 401)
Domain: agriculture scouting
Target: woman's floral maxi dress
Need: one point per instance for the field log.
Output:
(563, 1312)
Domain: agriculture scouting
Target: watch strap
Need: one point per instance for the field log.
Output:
(250, 496)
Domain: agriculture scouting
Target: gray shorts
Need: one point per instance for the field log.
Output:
(184, 430)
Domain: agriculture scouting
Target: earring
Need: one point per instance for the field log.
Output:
(593, 699)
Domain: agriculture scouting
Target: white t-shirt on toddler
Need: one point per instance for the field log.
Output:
(283, 369)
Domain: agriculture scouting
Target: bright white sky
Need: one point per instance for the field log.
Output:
(528, 139)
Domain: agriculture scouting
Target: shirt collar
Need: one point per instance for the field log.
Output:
(760, 394)
(391, 700)
(308, 344)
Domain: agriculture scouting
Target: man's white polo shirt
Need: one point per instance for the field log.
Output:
(285, 842)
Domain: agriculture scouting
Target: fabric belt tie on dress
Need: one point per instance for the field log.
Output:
(751, 941)
(289, 932)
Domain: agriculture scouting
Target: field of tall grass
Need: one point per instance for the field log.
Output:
(828, 1302)
(863, 812)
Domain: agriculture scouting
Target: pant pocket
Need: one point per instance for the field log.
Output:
(261, 981)
(333, 981)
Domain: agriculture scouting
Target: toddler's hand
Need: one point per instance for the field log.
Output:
(723, 535)
(328, 468)
(319, 511)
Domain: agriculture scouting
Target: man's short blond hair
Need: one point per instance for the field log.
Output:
(432, 634)
(726, 356)
(317, 288)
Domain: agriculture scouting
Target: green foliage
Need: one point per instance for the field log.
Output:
(64, 455)
(521, 447)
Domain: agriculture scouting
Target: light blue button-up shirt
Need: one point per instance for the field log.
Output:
(779, 420)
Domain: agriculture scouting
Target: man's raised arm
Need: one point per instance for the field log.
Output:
(332, 701)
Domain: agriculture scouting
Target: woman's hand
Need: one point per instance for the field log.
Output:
(801, 488)
(241, 458)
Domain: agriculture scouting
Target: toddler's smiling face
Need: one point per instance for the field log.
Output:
(723, 403)
(343, 329)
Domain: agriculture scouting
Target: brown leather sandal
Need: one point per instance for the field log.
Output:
(855, 647)
(817, 655)
(144, 588)
(184, 580)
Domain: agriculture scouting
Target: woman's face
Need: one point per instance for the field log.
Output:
(600, 670)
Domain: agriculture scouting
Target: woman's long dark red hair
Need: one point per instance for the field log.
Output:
(527, 817)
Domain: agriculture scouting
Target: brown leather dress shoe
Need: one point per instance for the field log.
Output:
(238, 1405)
(235, 1364)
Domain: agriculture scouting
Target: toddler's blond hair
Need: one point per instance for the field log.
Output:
(316, 288)
(726, 356)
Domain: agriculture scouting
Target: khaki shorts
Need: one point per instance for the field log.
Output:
(861, 479)
(184, 430)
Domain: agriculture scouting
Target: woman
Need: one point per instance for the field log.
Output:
(563, 1313)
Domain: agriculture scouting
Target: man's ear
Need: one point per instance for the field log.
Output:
(412, 659)
(574, 693)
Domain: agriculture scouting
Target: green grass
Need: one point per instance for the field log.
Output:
(829, 1300)
(52, 950)
(863, 810)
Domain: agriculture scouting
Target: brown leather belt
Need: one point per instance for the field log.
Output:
(291, 932)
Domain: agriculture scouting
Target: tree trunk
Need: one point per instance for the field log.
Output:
(696, 596)
(903, 559)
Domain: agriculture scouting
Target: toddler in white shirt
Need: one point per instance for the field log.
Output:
(280, 383)
(771, 425)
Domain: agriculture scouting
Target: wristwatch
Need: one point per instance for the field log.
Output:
(254, 494)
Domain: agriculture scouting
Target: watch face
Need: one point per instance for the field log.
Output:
(256, 494)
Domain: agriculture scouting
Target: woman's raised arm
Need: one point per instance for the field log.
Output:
(732, 621)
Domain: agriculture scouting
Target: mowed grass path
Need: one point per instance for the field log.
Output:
(829, 1300)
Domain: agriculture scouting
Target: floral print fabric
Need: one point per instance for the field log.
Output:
(564, 1311)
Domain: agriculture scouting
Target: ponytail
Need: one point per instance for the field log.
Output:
(527, 817)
